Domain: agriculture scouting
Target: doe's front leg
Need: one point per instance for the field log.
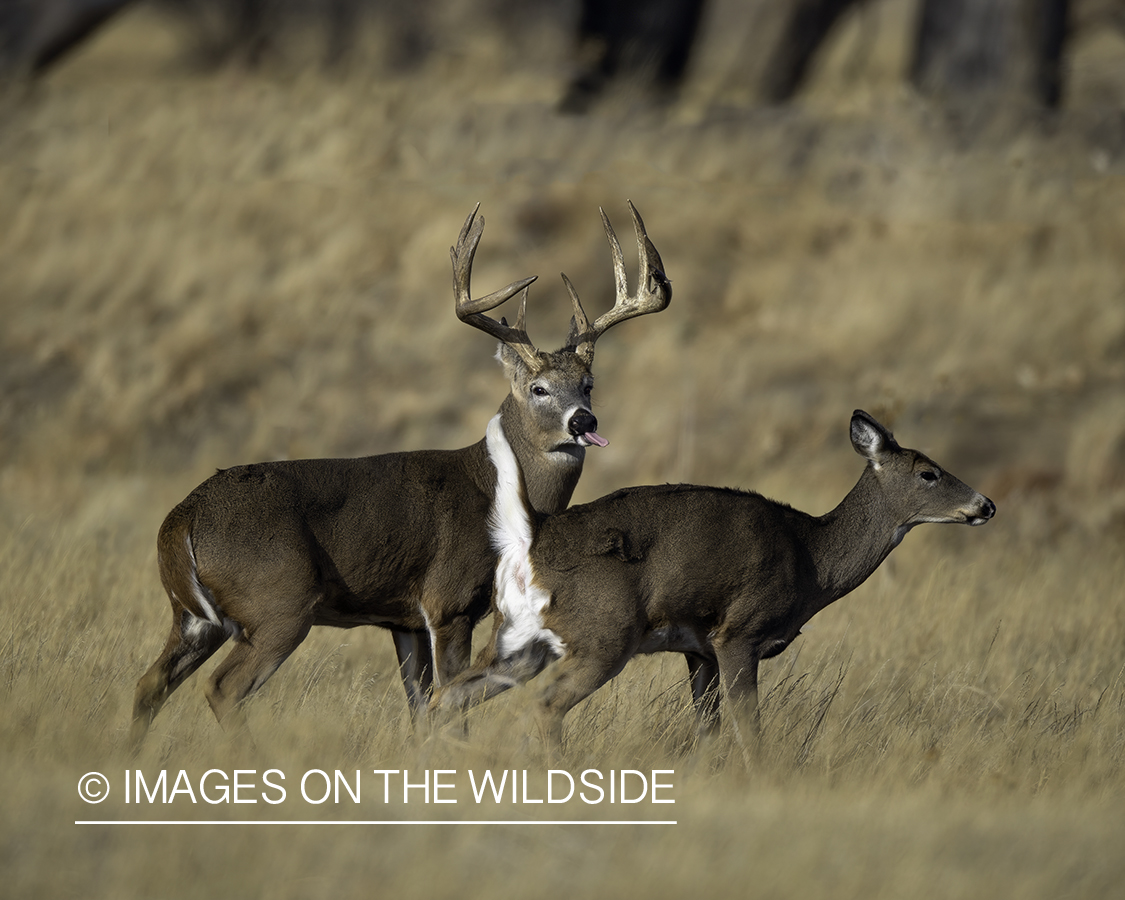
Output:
(738, 668)
(576, 677)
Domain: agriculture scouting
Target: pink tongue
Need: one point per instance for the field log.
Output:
(594, 438)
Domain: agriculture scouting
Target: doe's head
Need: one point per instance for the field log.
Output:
(916, 487)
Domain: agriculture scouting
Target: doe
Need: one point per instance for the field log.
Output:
(726, 577)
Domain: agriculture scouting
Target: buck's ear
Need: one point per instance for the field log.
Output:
(871, 440)
(510, 360)
(574, 334)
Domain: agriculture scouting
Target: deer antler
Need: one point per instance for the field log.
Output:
(654, 290)
(472, 312)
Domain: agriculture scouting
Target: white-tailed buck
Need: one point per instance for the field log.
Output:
(262, 553)
(725, 577)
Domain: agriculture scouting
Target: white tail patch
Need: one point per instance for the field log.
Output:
(206, 600)
(518, 599)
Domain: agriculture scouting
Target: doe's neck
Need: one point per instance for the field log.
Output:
(851, 541)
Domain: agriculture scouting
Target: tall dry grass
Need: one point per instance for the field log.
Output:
(199, 269)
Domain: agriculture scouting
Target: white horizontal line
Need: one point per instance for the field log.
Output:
(374, 822)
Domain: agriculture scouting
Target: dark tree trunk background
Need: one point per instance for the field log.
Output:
(967, 49)
(37, 33)
(964, 50)
(807, 25)
(647, 40)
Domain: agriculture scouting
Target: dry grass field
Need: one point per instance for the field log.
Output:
(199, 269)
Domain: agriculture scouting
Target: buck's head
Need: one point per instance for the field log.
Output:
(550, 401)
(549, 409)
(914, 487)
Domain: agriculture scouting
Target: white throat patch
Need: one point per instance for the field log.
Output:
(518, 599)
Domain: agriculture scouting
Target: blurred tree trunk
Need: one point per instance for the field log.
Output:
(981, 50)
(807, 25)
(965, 51)
(38, 33)
(649, 41)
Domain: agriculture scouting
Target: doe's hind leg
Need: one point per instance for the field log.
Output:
(704, 674)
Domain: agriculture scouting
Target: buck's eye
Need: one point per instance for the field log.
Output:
(539, 391)
(928, 475)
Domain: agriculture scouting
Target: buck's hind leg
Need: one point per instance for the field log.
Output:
(256, 655)
(191, 643)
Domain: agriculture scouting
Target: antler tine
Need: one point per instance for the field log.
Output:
(471, 311)
(654, 290)
(579, 324)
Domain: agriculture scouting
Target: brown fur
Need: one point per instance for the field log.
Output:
(726, 577)
(399, 540)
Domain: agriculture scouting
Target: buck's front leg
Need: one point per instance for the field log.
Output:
(416, 668)
(450, 651)
(452, 643)
(452, 700)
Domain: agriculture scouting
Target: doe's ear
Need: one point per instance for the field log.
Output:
(870, 439)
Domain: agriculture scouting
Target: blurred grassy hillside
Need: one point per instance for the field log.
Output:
(201, 268)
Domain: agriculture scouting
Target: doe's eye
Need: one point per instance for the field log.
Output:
(928, 475)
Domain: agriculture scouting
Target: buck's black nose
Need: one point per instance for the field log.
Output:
(582, 422)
